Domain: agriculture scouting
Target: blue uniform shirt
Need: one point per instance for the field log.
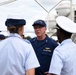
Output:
(44, 50)
(15, 56)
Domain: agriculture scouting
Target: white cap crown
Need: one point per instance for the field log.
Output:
(66, 24)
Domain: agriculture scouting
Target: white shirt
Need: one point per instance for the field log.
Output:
(64, 59)
(16, 56)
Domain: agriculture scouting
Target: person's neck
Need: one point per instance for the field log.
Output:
(41, 37)
(64, 38)
(20, 34)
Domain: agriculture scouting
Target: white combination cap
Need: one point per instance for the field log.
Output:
(66, 24)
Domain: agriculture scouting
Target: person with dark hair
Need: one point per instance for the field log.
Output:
(17, 57)
(64, 57)
(2, 37)
(43, 46)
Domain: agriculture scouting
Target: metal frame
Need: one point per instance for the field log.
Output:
(6, 2)
(46, 9)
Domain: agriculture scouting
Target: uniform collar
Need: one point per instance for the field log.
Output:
(15, 35)
(66, 41)
(43, 39)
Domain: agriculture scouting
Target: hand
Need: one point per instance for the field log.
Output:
(46, 73)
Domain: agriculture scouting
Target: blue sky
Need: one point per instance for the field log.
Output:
(29, 9)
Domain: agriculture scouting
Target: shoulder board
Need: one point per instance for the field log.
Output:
(27, 41)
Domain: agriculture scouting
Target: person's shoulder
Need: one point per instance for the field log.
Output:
(32, 39)
(27, 41)
(52, 41)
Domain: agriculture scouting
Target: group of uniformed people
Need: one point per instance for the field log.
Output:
(40, 55)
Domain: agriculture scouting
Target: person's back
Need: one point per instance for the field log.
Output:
(64, 56)
(67, 52)
(70, 57)
(14, 55)
(17, 57)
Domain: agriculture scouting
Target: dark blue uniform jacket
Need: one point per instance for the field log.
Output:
(44, 50)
